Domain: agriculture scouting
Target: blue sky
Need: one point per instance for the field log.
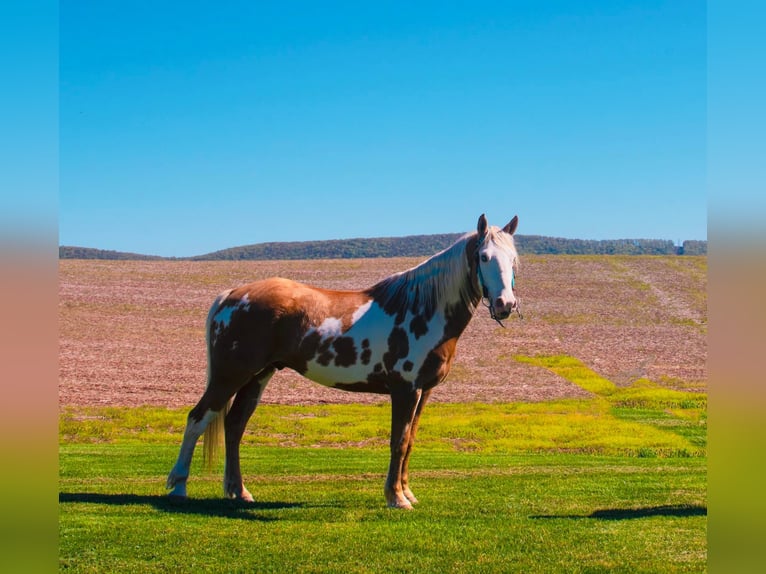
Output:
(191, 127)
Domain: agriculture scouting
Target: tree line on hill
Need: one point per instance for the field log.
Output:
(68, 252)
(410, 246)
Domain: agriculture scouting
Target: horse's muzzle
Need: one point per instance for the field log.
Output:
(503, 309)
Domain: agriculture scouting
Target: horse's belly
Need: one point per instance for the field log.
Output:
(349, 379)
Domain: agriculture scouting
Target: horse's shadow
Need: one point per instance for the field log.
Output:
(203, 506)
(677, 510)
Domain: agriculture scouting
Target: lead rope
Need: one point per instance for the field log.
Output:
(518, 299)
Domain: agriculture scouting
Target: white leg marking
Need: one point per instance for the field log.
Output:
(179, 474)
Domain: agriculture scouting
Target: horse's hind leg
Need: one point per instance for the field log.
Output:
(194, 429)
(206, 410)
(406, 463)
(244, 405)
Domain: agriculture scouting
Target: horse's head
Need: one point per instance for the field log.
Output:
(496, 261)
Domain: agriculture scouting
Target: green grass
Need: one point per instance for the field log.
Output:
(322, 510)
(612, 483)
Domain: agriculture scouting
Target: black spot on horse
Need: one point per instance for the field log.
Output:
(418, 326)
(366, 356)
(407, 366)
(325, 354)
(346, 351)
(398, 348)
(377, 368)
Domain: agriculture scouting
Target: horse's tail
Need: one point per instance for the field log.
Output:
(213, 438)
(214, 430)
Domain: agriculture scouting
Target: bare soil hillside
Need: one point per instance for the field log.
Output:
(132, 332)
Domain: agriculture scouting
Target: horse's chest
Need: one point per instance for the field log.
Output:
(375, 353)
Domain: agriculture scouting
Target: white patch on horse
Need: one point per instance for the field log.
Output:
(223, 316)
(360, 312)
(371, 323)
(331, 327)
(421, 346)
(180, 472)
(244, 303)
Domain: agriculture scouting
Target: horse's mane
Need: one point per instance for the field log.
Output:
(419, 289)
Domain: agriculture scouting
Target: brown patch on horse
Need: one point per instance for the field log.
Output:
(290, 309)
(437, 365)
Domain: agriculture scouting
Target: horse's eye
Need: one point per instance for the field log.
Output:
(484, 257)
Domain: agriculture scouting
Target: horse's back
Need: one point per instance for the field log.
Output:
(287, 298)
(274, 314)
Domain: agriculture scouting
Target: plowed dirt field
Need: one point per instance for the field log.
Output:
(132, 332)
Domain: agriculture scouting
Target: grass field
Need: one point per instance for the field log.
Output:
(612, 482)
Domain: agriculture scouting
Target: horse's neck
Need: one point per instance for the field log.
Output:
(444, 284)
(467, 290)
(460, 293)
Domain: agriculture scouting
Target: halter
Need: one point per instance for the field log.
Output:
(485, 300)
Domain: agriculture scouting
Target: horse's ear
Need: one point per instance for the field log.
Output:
(481, 227)
(510, 229)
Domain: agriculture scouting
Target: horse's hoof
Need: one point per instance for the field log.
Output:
(411, 497)
(179, 490)
(240, 497)
(402, 504)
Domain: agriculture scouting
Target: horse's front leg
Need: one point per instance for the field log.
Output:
(242, 408)
(404, 406)
(406, 463)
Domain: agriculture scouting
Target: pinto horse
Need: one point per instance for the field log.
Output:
(397, 338)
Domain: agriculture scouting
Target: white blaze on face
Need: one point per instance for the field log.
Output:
(497, 272)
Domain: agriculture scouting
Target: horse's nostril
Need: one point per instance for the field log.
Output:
(499, 303)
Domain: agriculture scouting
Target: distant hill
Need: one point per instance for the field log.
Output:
(67, 252)
(409, 246)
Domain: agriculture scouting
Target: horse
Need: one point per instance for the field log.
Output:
(397, 338)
